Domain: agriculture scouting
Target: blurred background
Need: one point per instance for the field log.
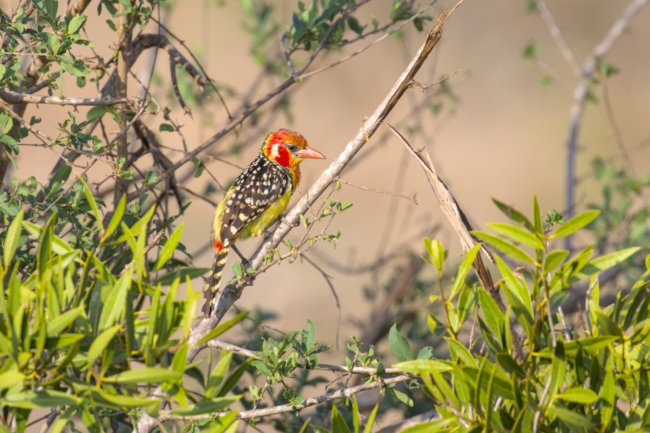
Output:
(495, 120)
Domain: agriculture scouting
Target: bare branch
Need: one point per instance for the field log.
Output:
(556, 33)
(19, 98)
(580, 98)
(287, 408)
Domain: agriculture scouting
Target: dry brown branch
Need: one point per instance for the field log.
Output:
(230, 294)
(556, 33)
(454, 214)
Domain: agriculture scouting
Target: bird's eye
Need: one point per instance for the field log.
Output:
(292, 148)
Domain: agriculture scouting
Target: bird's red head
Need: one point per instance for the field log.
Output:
(288, 148)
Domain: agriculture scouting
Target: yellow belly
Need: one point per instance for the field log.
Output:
(258, 225)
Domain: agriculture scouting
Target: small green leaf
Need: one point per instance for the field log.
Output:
(145, 375)
(436, 252)
(223, 327)
(371, 420)
(100, 343)
(518, 234)
(207, 406)
(170, 247)
(463, 270)
(38, 399)
(57, 325)
(116, 301)
(92, 203)
(76, 22)
(12, 238)
(554, 259)
(424, 366)
(338, 422)
(115, 219)
(505, 246)
(574, 224)
(399, 346)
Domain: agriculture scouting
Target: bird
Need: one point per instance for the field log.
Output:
(256, 199)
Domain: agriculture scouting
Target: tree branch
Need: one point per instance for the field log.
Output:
(580, 98)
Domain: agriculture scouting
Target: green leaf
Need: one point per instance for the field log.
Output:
(439, 425)
(608, 260)
(38, 399)
(436, 253)
(207, 406)
(515, 290)
(491, 313)
(170, 247)
(12, 238)
(116, 301)
(76, 22)
(145, 375)
(338, 422)
(577, 421)
(10, 378)
(463, 270)
(424, 366)
(518, 234)
(505, 246)
(537, 217)
(574, 224)
(398, 345)
(100, 343)
(115, 219)
(554, 259)
(514, 214)
(57, 325)
(607, 395)
(224, 424)
(578, 395)
(181, 274)
(223, 327)
(59, 246)
(371, 419)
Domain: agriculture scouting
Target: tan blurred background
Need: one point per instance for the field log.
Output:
(504, 138)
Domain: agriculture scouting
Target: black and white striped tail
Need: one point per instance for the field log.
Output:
(211, 289)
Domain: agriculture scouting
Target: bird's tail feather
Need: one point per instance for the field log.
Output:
(211, 289)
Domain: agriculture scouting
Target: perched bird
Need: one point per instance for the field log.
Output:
(256, 199)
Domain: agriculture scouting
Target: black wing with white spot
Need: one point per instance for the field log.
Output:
(255, 189)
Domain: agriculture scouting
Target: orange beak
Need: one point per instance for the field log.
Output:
(309, 153)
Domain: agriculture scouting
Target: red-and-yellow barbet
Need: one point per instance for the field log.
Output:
(256, 199)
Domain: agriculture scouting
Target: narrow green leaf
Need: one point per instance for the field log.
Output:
(93, 204)
(371, 419)
(225, 424)
(223, 327)
(577, 421)
(399, 346)
(491, 313)
(115, 219)
(439, 425)
(38, 399)
(10, 378)
(56, 325)
(574, 224)
(218, 374)
(518, 234)
(537, 217)
(463, 270)
(514, 288)
(145, 375)
(338, 422)
(505, 246)
(355, 415)
(514, 214)
(170, 247)
(608, 396)
(207, 406)
(59, 246)
(116, 301)
(608, 260)
(99, 344)
(424, 366)
(12, 238)
(554, 259)
(436, 252)
(137, 227)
